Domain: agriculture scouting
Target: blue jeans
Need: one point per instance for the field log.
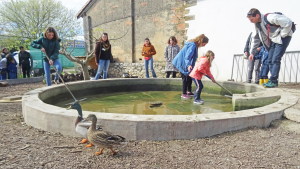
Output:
(275, 54)
(12, 75)
(198, 91)
(103, 65)
(264, 70)
(3, 74)
(58, 67)
(150, 62)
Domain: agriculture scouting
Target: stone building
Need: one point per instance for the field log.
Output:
(136, 19)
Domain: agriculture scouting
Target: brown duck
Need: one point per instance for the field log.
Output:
(102, 139)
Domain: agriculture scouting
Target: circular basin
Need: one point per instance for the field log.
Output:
(252, 106)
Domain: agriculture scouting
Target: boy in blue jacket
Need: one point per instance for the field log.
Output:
(11, 66)
(264, 70)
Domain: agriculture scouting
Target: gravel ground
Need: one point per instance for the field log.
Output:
(21, 146)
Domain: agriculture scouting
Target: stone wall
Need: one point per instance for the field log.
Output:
(138, 19)
(116, 70)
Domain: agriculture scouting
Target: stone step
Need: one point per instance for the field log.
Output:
(3, 83)
(12, 98)
(292, 114)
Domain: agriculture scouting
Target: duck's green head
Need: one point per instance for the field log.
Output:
(77, 107)
(91, 117)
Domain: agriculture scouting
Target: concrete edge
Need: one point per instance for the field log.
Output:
(155, 127)
(25, 80)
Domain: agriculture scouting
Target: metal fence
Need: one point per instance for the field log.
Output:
(289, 69)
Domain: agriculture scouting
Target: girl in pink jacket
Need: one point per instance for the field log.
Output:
(202, 68)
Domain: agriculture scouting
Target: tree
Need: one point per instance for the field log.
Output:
(27, 19)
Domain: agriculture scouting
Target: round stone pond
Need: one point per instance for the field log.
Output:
(139, 102)
(122, 107)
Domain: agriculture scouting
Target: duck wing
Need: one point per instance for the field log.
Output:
(105, 138)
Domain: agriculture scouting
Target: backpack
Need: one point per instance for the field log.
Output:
(269, 24)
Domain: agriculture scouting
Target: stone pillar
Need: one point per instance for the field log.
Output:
(86, 31)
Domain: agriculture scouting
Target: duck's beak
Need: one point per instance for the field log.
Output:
(69, 108)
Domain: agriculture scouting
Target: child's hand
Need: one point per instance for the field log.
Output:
(213, 80)
(190, 68)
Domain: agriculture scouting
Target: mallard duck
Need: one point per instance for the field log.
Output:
(102, 139)
(81, 125)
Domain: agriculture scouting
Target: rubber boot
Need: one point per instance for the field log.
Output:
(261, 81)
(266, 81)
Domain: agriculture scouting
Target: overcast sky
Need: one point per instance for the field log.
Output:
(74, 4)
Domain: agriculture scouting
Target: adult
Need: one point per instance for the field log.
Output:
(148, 51)
(274, 31)
(3, 64)
(4, 52)
(24, 62)
(172, 50)
(49, 45)
(185, 62)
(3, 68)
(252, 63)
(102, 56)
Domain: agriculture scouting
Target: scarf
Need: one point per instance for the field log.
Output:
(106, 45)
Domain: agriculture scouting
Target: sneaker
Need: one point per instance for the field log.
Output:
(271, 85)
(56, 82)
(268, 83)
(185, 96)
(190, 93)
(199, 101)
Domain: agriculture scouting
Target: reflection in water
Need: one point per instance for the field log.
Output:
(138, 103)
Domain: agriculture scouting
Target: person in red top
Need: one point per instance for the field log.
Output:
(148, 51)
(202, 68)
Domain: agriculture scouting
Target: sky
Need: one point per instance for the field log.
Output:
(76, 5)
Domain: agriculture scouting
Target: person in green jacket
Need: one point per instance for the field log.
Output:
(49, 44)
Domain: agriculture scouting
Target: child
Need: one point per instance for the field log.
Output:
(11, 66)
(172, 50)
(263, 74)
(202, 68)
(148, 51)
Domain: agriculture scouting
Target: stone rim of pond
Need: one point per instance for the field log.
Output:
(157, 127)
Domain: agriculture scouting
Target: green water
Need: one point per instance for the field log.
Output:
(138, 103)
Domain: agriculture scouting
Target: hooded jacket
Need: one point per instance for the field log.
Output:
(186, 57)
(260, 32)
(201, 68)
(51, 47)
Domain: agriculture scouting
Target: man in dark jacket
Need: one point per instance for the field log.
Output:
(24, 62)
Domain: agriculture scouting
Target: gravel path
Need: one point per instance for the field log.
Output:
(22, 146)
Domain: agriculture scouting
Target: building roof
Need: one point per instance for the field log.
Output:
(86, 6)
